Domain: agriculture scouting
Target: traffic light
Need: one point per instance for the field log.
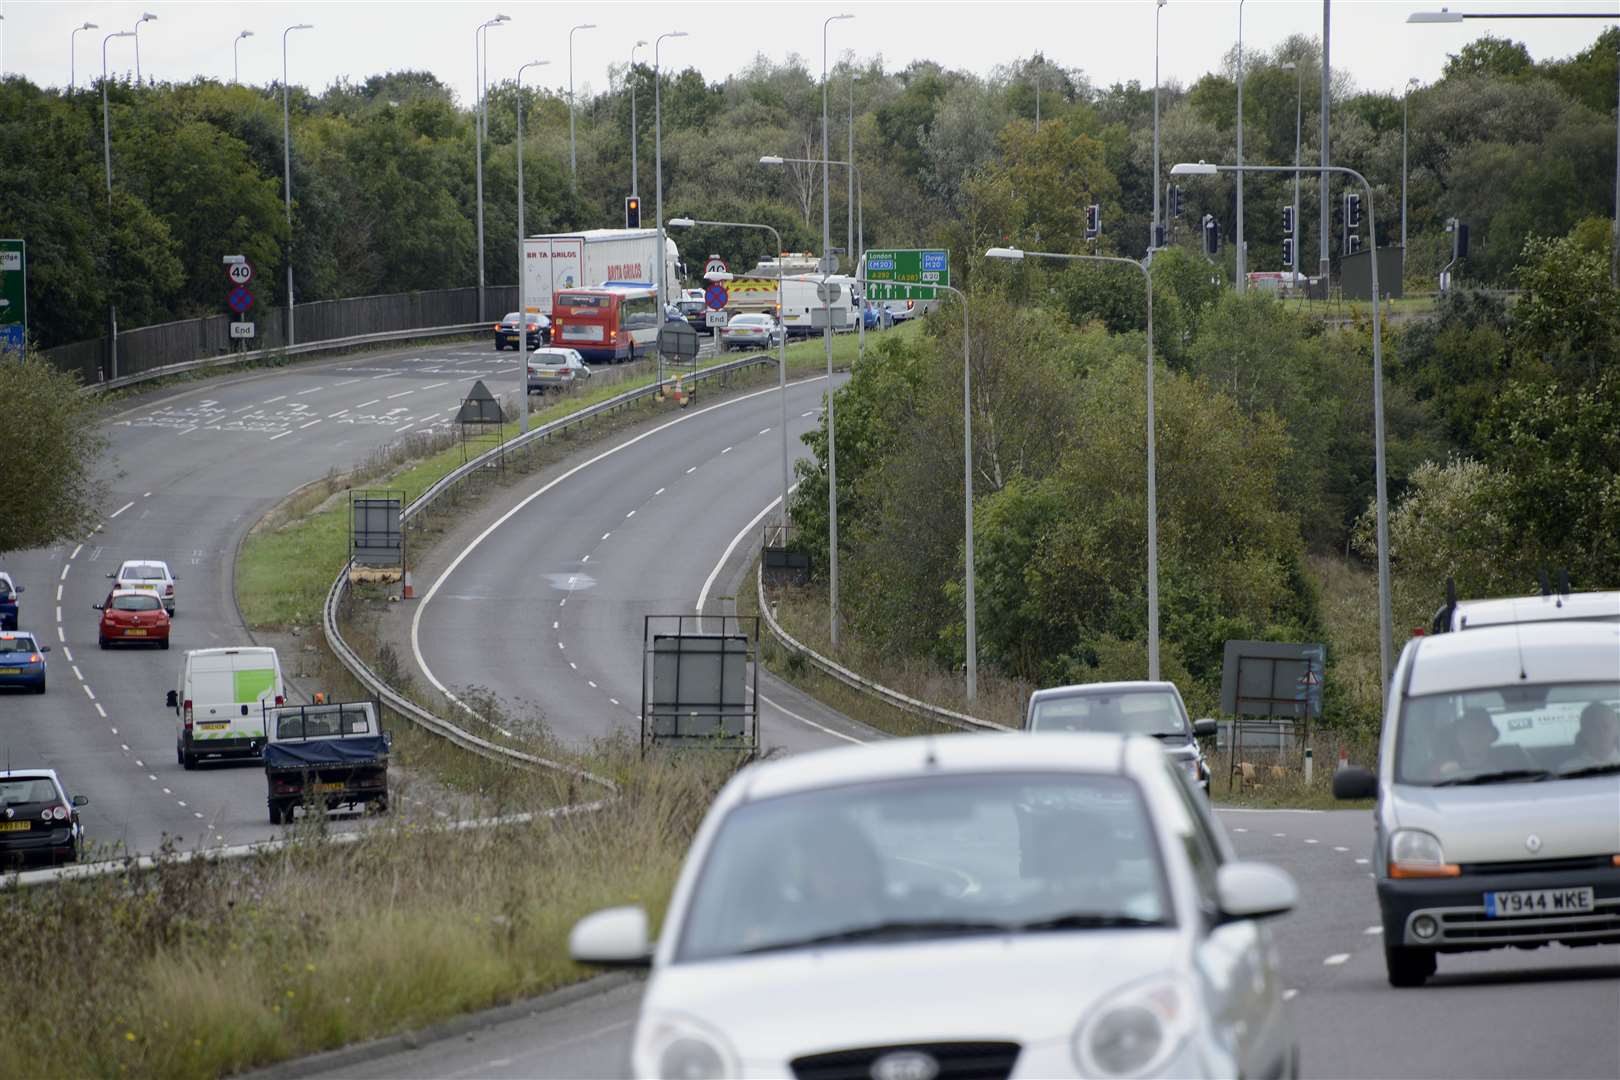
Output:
(1462, 240)
(1212, 235)
(1158, 236)
(632, 212)
(1175, 200)
(1093, 221)
(1352, 210)
(1354, 244)
(1288, 221)
(1288, 252)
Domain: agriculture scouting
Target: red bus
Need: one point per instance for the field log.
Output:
(610, 322)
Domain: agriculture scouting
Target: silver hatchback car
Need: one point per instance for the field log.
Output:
(1127, 708)
(1498, 787)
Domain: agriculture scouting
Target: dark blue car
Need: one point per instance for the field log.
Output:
(8, 602)
(22, 661)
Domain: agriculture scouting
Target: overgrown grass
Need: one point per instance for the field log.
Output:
(199, 970)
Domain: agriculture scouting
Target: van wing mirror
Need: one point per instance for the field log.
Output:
(173, 700)
(1355, 783)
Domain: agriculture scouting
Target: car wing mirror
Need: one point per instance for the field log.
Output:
(19, 589)
(44, 648)
(112, 575)
(81, 800)
(616, 937)
(1252, 890)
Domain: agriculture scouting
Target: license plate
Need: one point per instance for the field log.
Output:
(134, 633)
(145, 588)
(10, 671)
(329, 786)
(582, 333)
(1511, 905)
(13, 826)
(219, 725)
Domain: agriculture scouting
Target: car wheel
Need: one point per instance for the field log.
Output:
(276, 812)
(1408, 966)
(188, 761)
(164, 644)
(40, 689)
(102, 641)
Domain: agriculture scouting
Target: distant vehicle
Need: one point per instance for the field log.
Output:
(960, 906)
(22, 660)
(803, 310)
(1550, 606)
(750, 331)
(563, 262)
(506, 331)
(9, 592)
(132, 617)
(37, 818)
(220, 702)
(327, 755)
(901, 310)
(612, 323)
(1498, 816)
(147, 575)
(556, 369)
(1127, 708)
(695, 310)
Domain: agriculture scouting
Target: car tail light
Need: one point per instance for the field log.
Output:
(168, 590)
(60, 813)
(186, 714)
(280, 700)
(34, 658)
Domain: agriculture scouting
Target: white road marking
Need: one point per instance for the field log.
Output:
(67, 652)
(434, 386)
(1361, 862)
(146, 495)
(103, 713)
(384, 375)
(586, 559)
(273, 400)
(335, 415)
(613, 700)
(373, 401)
(708, 582)
(606, 535)
(125, 746)
(692, 470)
(61, 636)
(632, 514)
(660, 491)
(166, 791)
(1290, 994)
(806, 720)
(1240, 830)
(402, 393)
(727, 450)
(77, 674)
(111, 729)
(1308, 841)
(59, 594)
(559, 644)
(345, 382)
(1373, 930)
(311, 390)
(180, 801)
(58, 613)
(590, 684)
(812, 412)
(89, 693)
(1279, 834)
(76, 551)
(404, 429)
(64, 574)
(283, 435)
(141, 765)
(572, 666)
(762, 431)
(1337, 848)
(311, 424)
(1336, 959)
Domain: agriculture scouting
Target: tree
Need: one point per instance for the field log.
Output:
(1489, 55)
(48, 469)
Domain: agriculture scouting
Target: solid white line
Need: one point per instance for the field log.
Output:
(283, 435)
(311, 424)
(806, 720)
(427, 597)
(91, 694)
(120, 510)
(1336, 959)
(708, 582)
(78, 548)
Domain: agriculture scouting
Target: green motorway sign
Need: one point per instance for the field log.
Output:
(13, 295)
(907, 274)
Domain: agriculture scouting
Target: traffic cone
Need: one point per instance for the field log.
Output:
(408, 593)
(1344, 759)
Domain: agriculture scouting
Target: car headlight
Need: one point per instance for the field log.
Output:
(1414, 853)
(1192, 768)
(1137, 1030)
(681, 1048)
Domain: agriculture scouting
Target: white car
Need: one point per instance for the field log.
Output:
(1052, 905)
(147, 575)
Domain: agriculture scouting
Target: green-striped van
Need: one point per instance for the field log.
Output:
(220, 702)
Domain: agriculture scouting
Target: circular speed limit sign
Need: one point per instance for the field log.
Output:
(240, 273)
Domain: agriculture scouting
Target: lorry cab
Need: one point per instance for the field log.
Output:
(219, 702)
(328, 754)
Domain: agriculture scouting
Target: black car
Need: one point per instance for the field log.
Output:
(37, 819)
(506, 331)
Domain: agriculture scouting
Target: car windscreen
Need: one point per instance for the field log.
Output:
(16, 790)
(142, 573)
(5, 588)
(511, 317)
(1515, 732)
(17, 644)
(1136, 712)
(928, 857)
(135, 603)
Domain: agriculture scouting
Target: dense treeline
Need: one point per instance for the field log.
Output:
(384, 188)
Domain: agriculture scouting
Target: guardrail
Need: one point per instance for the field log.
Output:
(948, 717)
(252, 355)
(357, 667)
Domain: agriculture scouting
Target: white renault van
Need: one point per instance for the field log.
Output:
(220, 702)
(1498, 788)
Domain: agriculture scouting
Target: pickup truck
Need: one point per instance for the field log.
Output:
(8, 602)
(555, 369)
(326, 755)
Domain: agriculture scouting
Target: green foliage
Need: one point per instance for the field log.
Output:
(48, 469)
(1490, 55)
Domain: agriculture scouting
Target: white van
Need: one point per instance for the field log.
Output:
(220, 702)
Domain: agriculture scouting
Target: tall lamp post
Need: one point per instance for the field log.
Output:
(1154, 241)
(573, 164)
(73, 47)
(781, 360)
(1444, 16)
(479, 119)
(1242, 247)
(146, 16)
(826, 340)
(286, 166)
(236, 62)
(1299, 131)
(860, 225)
(635, 138)
(106, 152)
(1385, 618)
(1152, 455)
(1405, 98)
(658, 167)
(522, 268)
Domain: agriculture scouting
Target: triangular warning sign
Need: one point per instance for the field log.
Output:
(479, 406)
(1310, 678)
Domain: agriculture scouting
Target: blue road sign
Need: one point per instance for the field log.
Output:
(716, 295)
(239, 300)
(11, 337)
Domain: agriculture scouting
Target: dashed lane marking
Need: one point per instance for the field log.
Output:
(1336, 959)
(283, 435)
(373, 401)
(402, 393)
(311, 424)
(91, 694)
(272, 401)
(64, 574)
(76, 551)
(103, 714)
(120, 510)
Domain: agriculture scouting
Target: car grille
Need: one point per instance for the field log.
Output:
(955, 1061)
(1469, 926)
(1535, 866)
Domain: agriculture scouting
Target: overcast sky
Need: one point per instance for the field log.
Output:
(1112, 40)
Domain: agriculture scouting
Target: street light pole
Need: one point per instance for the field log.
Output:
(1152, 453)
(658, 167)
(236, 62)
(849, 198)
(73, 49)
(1299, 130)
(826, 340)
(106, 151)
(1242, 252)
(286, 167)
(523, 269)
(1405, 98)
(1158, 9)
(1385, 617)
(480, 117)
(573, 163)
(146, 16)
(635, 140)
(860, 228)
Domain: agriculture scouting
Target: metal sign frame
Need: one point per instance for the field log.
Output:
(700, 682)
(376, 536)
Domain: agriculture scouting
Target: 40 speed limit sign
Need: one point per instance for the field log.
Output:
(238, 269)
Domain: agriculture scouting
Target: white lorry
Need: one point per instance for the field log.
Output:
(593, 257)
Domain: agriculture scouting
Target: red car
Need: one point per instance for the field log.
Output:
(129, 615)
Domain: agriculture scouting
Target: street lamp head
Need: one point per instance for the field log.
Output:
(838, 18)
(680, 223)
(1186, 168)
(584, 26)
(243, 34)
(1413, 83)
(639, 44)
(121, 33)
(501, 18)
(770, 159)
(147, 16)
(676, 33)
(1015, 254)
(89, 26)
(1290, 66)
(1442, 16)
(302, 26)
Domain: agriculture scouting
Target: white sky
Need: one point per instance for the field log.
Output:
(1112, 40)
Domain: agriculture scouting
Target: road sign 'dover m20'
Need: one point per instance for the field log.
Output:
(13, 295)
(906, 275)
